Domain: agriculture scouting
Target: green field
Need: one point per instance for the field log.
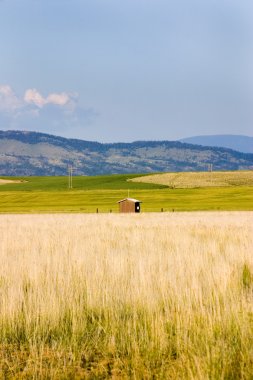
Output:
(51, 194)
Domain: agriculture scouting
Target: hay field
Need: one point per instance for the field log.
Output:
(8, 181)
(149, 296)
(199, 179)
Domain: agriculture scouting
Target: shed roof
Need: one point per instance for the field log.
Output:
(129, 199)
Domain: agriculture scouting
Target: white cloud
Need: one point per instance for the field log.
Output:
(36, 112)
(9, 102)
(5, 90)
(58, 99)
(32, 96)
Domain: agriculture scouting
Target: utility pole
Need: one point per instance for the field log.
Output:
(70, 175)
(210, 169)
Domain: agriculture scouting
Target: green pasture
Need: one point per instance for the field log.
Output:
(107, 182)
(51, 194)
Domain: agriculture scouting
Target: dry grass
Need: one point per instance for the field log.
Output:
(199, 179)
(8, 181)
(126, 296)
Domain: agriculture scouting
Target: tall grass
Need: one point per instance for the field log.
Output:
(166, 296)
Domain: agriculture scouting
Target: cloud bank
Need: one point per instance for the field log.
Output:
(34, 111)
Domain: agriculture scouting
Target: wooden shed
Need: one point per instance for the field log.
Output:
(129, 205)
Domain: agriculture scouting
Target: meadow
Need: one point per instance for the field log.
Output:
(199, 179)
(141, 296)
(51, 194)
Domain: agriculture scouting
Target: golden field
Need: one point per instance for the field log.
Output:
(8, 181)
(183, 180)
(149, 296)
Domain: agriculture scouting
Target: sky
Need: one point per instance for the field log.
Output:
(126, 70)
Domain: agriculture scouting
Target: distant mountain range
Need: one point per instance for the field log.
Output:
(236, 142)
(32, 153)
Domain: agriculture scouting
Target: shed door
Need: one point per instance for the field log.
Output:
(137, 207)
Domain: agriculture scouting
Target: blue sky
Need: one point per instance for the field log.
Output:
(110, 70)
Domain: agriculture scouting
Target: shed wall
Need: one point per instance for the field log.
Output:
(127, 206)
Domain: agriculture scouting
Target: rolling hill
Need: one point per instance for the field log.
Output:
(192, 180)
(38, 154)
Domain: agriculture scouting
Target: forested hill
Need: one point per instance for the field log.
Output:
(32, 153)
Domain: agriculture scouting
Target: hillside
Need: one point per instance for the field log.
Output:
(236, 142)
(34, 154)
(198, 179)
